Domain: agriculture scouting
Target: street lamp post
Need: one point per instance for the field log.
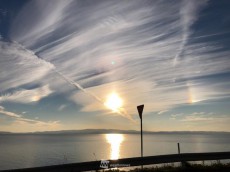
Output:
(140, 111)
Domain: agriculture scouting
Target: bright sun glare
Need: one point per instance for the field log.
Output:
(114, 102)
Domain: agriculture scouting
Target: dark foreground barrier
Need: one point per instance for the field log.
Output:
(96, 165)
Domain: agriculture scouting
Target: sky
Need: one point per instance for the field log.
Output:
(60, 61)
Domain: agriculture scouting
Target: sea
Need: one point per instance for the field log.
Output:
(34, 150)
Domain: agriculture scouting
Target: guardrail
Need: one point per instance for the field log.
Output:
(137, 161)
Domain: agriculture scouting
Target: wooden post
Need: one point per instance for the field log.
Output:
(178, 146)
(183, 164)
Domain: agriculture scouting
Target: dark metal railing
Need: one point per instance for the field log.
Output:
(137, 161)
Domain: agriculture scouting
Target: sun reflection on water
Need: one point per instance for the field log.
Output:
(115, 141)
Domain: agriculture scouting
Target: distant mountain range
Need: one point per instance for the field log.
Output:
(109, 131)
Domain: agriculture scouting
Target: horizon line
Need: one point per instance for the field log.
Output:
(106, 131)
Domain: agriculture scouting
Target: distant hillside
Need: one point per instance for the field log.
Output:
(107, 131)
(4, 132)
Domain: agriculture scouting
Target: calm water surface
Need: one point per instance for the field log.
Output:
(22, 151)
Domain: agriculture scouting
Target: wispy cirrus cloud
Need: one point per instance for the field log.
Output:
(162, 112)
(18, 117)
(9, 114)
(63, 106)
(127, 47)
(34, 27)
(133, 50)
(202, 117)
(27, 96)
(20, 66)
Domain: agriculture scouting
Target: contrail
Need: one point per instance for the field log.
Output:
(184, 41)
(188, 14)
(182, 45)
(75, 84)
(121, 111)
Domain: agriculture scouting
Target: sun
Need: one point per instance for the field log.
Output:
(114, 102)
